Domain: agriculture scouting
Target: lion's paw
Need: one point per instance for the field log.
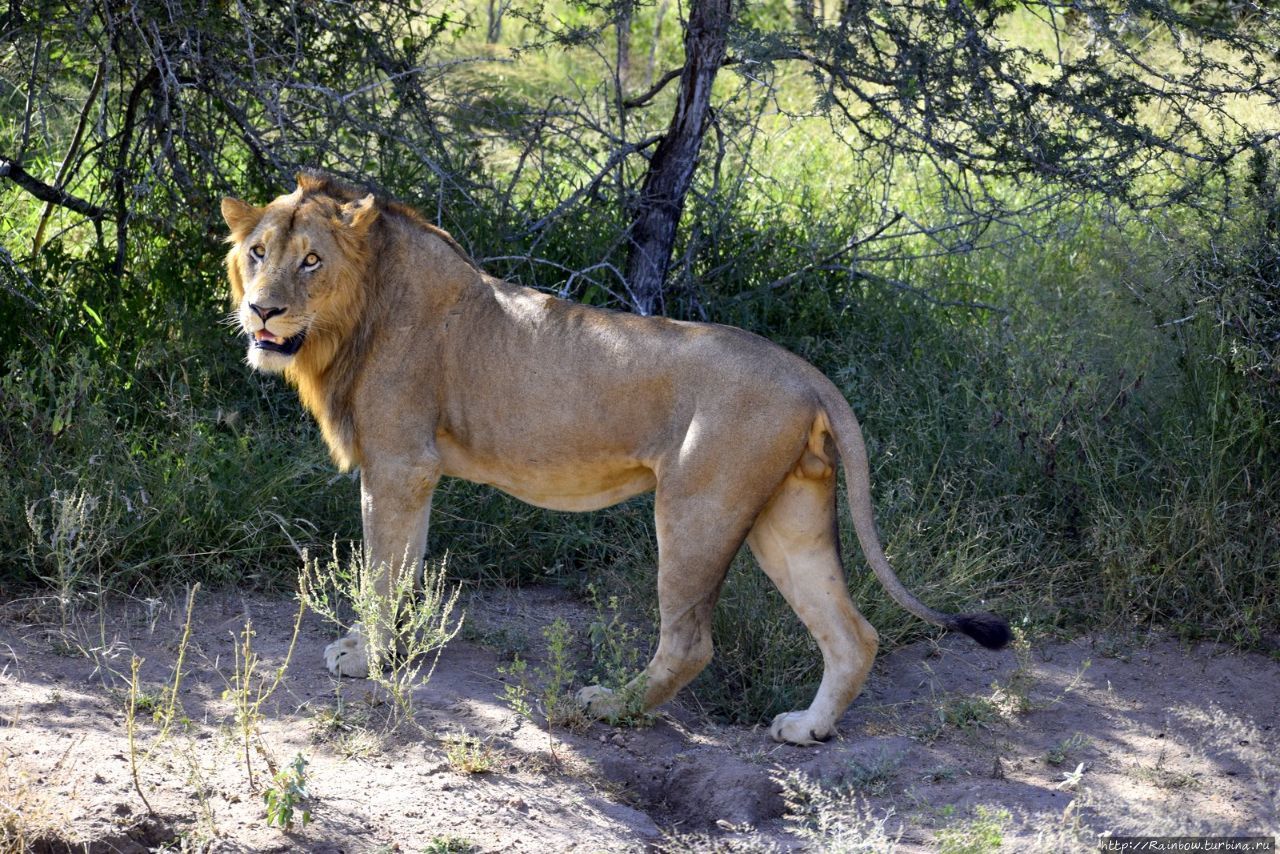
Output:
(799, 728)
(598, 701)
(349, 656)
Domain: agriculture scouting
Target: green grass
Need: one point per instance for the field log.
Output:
(981, 834)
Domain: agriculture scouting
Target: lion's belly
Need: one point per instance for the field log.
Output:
(553, 484)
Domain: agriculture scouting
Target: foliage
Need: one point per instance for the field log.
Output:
(984, 832)
(1235, 280)
(416, 613)
(286, 793)
(836, 820)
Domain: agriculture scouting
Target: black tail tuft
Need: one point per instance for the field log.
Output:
(987, 629)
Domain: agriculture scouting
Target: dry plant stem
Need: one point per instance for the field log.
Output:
(130, 718)
(171, 701)
(168, 709)
(244, 669)
(248, 711)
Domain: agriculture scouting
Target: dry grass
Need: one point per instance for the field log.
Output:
(29, 809)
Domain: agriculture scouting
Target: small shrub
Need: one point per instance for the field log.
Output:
(548, 689)
(285, 796)
(468, 754)
(979, 835)
(963, 712)
(941, 774)
(873, 776)
(71, 532)
(449, 845)
(417, 617)
(617, 660)
(1014, 695)
(835, 820)
(558, 677)
(27, 812)
(516, 692)
(1059, 753)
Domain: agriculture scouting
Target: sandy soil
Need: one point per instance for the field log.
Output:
(948, 746)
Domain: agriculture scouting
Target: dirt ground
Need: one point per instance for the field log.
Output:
(949, 748)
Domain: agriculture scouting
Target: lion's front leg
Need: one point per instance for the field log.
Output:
(395, 504)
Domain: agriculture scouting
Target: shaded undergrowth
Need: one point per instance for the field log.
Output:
(1095, 444)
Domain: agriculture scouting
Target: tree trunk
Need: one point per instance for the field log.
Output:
(622, 23)
(670, 172)
(497, 8)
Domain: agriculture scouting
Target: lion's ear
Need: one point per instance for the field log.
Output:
(241, 218)
(360, 214)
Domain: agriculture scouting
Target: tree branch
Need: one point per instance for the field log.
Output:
(819, 264)
(64, 170)
(45, 193)
(122, 164)
(614, 159)
(674, 74)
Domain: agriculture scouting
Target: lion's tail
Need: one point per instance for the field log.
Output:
(987, 629)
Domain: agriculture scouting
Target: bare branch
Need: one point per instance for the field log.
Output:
(45, 193)
(652, 92)
(64, 170)
(614, 159)
(820, 264)
(674, 74)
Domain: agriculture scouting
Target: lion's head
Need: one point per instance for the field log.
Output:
(295, 267)
(306, 272)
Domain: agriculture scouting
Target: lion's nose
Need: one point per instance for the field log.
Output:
(266, 312)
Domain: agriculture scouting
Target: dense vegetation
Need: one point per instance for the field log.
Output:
(1069, 378)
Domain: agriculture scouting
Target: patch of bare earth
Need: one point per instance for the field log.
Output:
(948, 744)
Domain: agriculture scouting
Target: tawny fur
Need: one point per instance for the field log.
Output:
(418, 365)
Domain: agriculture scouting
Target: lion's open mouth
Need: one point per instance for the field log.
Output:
(264, 340)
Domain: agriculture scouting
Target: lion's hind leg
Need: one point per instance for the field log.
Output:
(794, 541)
(699, 532)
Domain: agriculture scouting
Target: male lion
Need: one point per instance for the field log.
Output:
(418, 365)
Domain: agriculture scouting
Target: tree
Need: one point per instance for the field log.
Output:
(941, 85)
(670, 170)
(139, 113)
(183, 100)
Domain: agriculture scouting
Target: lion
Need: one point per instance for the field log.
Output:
(418, 365)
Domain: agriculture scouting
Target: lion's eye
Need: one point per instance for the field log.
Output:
(258, 251)
(310, 261)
